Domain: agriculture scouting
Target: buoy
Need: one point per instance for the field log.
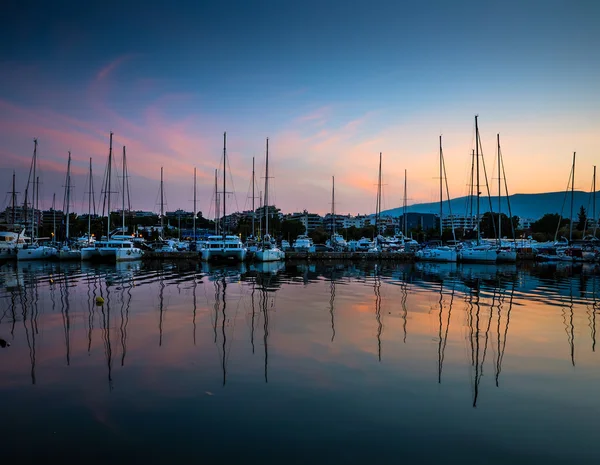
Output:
(99, 300)
(51, 281)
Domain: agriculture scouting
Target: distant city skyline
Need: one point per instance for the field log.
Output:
(331, 84)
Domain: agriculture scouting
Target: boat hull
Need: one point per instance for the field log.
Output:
(65, 255)
(478, 255)
(127, 255)
(270, 255)
(223, 254)
(37, 253)
(437, 255)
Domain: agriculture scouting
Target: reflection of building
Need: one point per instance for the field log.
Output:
(311, 221)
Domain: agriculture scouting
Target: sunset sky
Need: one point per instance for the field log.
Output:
(331, 83)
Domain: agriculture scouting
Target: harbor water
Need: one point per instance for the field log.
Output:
(297, 362)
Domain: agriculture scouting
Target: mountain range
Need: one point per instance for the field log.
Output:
(530, 206)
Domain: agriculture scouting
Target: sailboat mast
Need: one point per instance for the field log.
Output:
(441, 189)
(332, 205)
(253, 209)
(33, 195)
(54, 217)
(124, 179)
(68, 196)
(572, 199)
(477, 171)
(108, 193)
(378, 204)
(499, 194)
(404, 219)
(216, 205)
(90, 205)
(267, 190)
(162, 204)
(224, 178)
(593, 200)
(194, 215)
(14, 198)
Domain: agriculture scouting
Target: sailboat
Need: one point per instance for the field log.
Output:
(268, 252)
(121, 249)
(440, 253)
(251, 241)
(223, 246)
(505, 254)
(13, 237)
(67, 252)
(336, 240)
(34, 251)
(481, 252)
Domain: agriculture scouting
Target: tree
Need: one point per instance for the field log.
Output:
(548, 224)
(581, 219)
(291, 229)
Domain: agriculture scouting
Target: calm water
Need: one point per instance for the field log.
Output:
(300, 363)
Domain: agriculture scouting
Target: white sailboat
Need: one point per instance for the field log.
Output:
(66, 252)
(336, 240)
(121, 250)
(268, 251)
(481, 252)
(12, 237)
(440, 253)
(506, 253)
(34, 251)
(223, 246)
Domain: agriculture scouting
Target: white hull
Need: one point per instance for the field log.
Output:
(223, 254)
(8, 253)
(437, 255)
(270, 255)
(37, 253)
(125, 255)
(478, 255)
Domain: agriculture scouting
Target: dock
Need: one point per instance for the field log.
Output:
(310, 256)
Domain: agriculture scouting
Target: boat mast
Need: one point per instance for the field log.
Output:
(33, 195)
(194, 215)
(108, 180)
(224, 178)
(68, 196)
(572, 199)
(266, 192)
(499, 195)
(441, 189)
(124, 179)
(378, 203)
(90, 205)
(593, 200)
(54, 217)
(162, 204)
(448, 193)
(477, 171)
(332, 206)
(253, 210)
(216, 205)
(404, 219)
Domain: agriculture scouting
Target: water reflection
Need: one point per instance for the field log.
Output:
(33, 293)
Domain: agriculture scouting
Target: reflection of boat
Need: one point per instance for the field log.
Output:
(268, 267)
(215, 271)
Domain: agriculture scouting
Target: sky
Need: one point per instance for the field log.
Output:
(330, 83)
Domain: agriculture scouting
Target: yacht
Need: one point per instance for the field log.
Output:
(36, 252)
(337, 241)
(269, 252)
(119, 251)
(223, 247)
(302, 243)
(10, 242)
(437, 253)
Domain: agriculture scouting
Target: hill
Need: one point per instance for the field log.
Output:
(532, 206)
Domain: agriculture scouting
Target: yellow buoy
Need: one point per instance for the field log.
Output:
(99, 300)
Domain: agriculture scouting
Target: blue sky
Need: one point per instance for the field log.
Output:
(332, 84)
